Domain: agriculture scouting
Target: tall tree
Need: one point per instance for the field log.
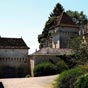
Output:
(58, 9)
(78, 17)
(80, 47)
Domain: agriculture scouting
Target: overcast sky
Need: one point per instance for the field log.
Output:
(26, 18)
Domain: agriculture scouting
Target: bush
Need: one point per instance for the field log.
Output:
(70, 60)
(61, 66)
(68, 78)
(82, 82)
(27, 76)
(44, 69)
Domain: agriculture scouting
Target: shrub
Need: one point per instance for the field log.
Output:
(27, 76)
(67, 78)
(44, 69)
(61, 66)
(82, 82)
(70, 60)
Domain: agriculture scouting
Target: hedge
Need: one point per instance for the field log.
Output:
(67, 79)
(61, 66)
(44, 69)
(82, 81)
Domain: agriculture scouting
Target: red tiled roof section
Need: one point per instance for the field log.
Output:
(65, 20)
(12, 43)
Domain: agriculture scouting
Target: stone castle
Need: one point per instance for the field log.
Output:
(57, 44)
(14, 51)
(62, 32)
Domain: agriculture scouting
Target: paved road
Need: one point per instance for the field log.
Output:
(33, 82)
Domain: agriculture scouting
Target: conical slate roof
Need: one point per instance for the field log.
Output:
(65, 20)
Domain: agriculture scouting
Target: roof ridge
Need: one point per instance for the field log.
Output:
(61, 17)
(10, 38)
(65, 20)
(13, 43)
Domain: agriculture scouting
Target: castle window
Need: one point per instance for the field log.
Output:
(20, 59)
(2, 58)
(17, 59)
(14, 58)
(5, 59)
(8, 58)
(23, 59)
(5, 50)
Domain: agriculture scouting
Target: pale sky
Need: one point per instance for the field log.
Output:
(27, 18)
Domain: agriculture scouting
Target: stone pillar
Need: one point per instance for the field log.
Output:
(53, 44)
(58, 44)
(32, 66)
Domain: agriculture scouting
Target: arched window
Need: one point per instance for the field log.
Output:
(20, 59)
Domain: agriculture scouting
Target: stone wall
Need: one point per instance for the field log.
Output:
(62, 36)
(13, 62)
(14, 67)
(13, 53)
(36, 59)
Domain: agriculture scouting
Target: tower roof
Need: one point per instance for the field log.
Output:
(65, 20)
(12, 43)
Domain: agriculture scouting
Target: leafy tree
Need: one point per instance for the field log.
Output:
(58, 9)
(78, 17)
(80, 47)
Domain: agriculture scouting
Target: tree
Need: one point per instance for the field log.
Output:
(79, 45)
(78, 17)
(58, 9)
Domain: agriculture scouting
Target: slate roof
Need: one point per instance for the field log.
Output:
(12, 43)
(65, 20)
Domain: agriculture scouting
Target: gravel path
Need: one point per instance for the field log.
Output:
(33, 82)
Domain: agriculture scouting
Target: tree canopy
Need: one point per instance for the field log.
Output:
(79, 45)
(78, 17)
(58, 9)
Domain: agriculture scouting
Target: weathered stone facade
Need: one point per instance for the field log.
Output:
(62, 36)
(13, 57)
(58, 43)
(13, 53)
(46, 54)
(36, 59)
(62, 32)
